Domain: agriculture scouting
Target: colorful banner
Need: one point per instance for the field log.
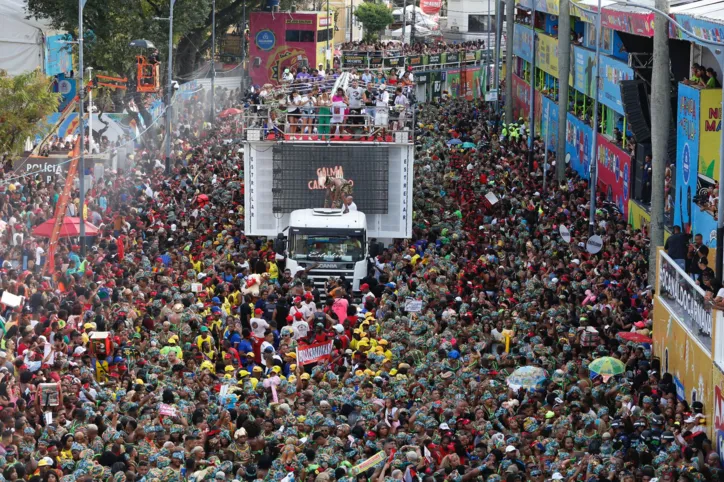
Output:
(60, 208)
(709, 132)
(614, 173)
(584, 70)
(718, 430)
(638, 217)
(549, 119)
(687, 155)
(546, 54)
(636, 23)
(523, 42)
(453, 83)
(369, 463)
(431, 7)
(436, 86)
(313, 353)
(58, 55)
(703, 222)
(612, 73)
(521, 98)
(700, 27)
(579, 137)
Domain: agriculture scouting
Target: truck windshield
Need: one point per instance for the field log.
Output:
(320, 247)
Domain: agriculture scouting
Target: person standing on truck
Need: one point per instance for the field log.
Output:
(349, 205)
(355, 95)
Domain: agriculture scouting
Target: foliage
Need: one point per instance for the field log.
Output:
(25, 100)
(375, 17)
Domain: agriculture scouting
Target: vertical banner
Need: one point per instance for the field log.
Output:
(477, 83)
(521, 98)
(453, 83)
(436, 86)
(523, 42)
(546, 55)
(584, 70)
(578, 146)
(549, 122)
(612, 73)
(687, 155)
(614, 173)
(709, 133)
(58, 56)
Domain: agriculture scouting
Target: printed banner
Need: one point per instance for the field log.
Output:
(431, 7)
(523, 42)
(546, 55)
(709, 133)
(433, 59)
(453, 83)
(637, 23)
(313, 353)
(369, 463)
(614, 173)
(579, 137)
(436, 81)
(549, 122)
(58, 56)
(521, 98)
(60, 207)
(638, 218)
(687, 155)
(612, 73)
(701, 27)
(452, 58)
(584, 70)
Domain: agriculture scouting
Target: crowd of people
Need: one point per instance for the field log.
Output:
(168, 351)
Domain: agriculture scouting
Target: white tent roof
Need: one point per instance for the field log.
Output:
(21, 39)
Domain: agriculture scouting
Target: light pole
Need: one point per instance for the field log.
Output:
(213, 64)
(169, 87)
(90, 112)
(81, 128)
(328, 54)
(594, 152)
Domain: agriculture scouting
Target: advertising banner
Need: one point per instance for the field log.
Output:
(637, 23)
(612, 73)
(701, 27)
(546, 55)
(431, 7)
(523, 42)
(718, 433)
(584, 70)
(709, 132)
(578, 146)
(436, 90)
(521, 98)
(394, 62)
(452, 57)
(614, 173)
(638, 217)
(453, 83)
(354, 59)
(58, 55)
(415, 60)
(687, 155)
(307, 354)
(703, 222)
(549, 122)
(434, 59)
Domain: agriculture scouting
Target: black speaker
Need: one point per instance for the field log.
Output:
(642, 150)
(635, 106)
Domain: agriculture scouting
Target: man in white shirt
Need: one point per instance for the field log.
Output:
(300, 326)
(287, 76)
(367, 77)
(322, 73)
(258, 324)
(308, 307)
(349, 205)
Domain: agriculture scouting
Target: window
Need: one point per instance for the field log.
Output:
(478, 23)
(300, 35)
(323, 35)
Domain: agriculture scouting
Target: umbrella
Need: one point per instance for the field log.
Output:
(468, 145)
(142, 43)
(69, 229)
(454, 142)
(526, 377)
(607, 367)
(230, 112)
(634, 337)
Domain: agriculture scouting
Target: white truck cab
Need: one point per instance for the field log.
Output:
(335, 243)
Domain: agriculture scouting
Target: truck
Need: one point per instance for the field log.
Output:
(334, 243)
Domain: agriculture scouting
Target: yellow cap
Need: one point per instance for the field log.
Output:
(227, 376)
(383, 342)
(228, 368)
(256, 369)
(359, 373)
(305, 376)
(243, 373)
(292, 367)
(291, 354)
(139, 382)
(276, 369)
(207, 365)
(368, 372)
(254, 382)
(292, 378)
(393, 372)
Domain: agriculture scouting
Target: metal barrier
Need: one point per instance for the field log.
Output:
(334, 122)
(416, 62)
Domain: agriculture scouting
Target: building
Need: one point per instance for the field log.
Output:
(471, 20)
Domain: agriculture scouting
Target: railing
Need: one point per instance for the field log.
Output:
(417, 62)
(333, 123)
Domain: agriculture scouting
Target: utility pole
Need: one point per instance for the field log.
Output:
(81, 128)
(213, 62)
(545, 142)
(594, 141)
(169, 89)
(564, 70)
(661, 105)
(328, 53)
(509, 24)
(496, 55)
(414, 22)
(350, 26)
(531, 126)
(90, 112)
(243, 47)
(490, 27)
(404, 19)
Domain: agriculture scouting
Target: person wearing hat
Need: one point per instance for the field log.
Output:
(173, 347)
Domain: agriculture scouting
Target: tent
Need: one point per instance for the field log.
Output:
(69, 229)
(22, 40)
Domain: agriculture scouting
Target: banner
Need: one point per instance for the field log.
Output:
(394, 62)
(709, 132)
(701, 27)
(579, 137)
(523, 42)
(415, 60)
(636, 23)
(452, 58)
(687, 155)
(369, 463)
(546, 55)
(354, 60)
(521, 98)
(431, 7)
(584, 70)
(549, 120)
(434, 59)
(60, 207)
(453, 83)
(614, 173)
(436, 81)
(313, 353)
(612, 73)
(58, 55)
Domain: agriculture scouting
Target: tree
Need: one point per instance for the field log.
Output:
(375, 17)
(25, 100)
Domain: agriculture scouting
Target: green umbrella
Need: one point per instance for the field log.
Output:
(468, 145)
(607, 367)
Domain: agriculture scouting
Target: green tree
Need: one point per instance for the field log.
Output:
(375, 17)
(25, 100)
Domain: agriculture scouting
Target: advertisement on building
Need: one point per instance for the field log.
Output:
(701, 27)
(578, 146)
(709, 133)
(614, 173)
(687, 155)
(584, 70)
(638, 217)
(637, 23)
(453, 83)
(521, 98)
(546, 54)
(58, 55)
(549, 122)
(612, 73)
(523, 42)
(703, 222)
(717, 419)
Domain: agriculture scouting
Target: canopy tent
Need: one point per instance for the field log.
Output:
(22, 40)
(69, 229)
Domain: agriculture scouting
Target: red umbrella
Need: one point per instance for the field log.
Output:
(69, 229)
(634, 337)
(230, 112)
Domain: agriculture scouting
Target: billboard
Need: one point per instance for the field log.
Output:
(58, 55)
(549, 120)
(431, 7)
(453, 83)
(521, 98)
(709, 133)
(296, 185)
(546, 54)
(523, 42)
(584, 70)
(614, 173)
(579, 137)
(612, 73)
(687, 155)
(636, 23)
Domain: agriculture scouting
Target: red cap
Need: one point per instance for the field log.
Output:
(297, 299)
(258, 311)
(290, 318)
(298, 315)
(365, 286)
(309, 296)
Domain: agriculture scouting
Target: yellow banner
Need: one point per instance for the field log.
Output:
(546, 57)
(710, 133)
(370, 462)
(638, 218)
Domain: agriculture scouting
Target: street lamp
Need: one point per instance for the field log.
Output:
(169, 87)
(81, 128)
(90, 112)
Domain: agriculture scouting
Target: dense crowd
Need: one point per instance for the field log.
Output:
(198, 378)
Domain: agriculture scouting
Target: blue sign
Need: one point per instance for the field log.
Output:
(265, 40)
(687, 155)
(626, 177)
(702, 222)
(680, 392)
(67, 89)
(612, 73)
(523, 42)
(579, 137)
(549, 115)
(58, 56)
(584, 70)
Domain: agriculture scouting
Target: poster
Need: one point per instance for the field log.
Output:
(584, 70)
(612, 73)
(523, 42)
(546, 55)
(521, 98)
(549, 120)
(637, 23)
(614, 173)
(431, 7)
(435, 86)
(687, 155)
(453, 83)
(578, 146)
(58, 55)
(638, 217)
(709, 133)
(307, 354)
